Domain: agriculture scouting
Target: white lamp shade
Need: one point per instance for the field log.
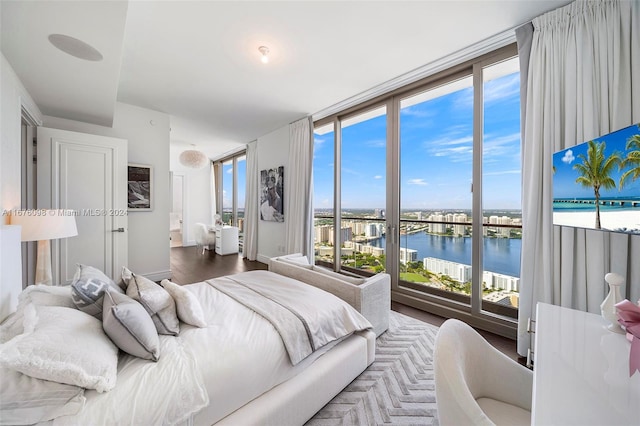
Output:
(40, 225)
(193, 159)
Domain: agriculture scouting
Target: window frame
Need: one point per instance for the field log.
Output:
(432, 301)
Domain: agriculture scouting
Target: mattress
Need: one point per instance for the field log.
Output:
(206, 374)
(240, 354)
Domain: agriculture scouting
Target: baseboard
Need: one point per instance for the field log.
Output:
(263, 259)
(158, 276)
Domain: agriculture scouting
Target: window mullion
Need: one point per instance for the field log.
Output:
(476, 185)
(337, 202)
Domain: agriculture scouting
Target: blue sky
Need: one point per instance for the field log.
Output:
(564, 179)
(436, 154)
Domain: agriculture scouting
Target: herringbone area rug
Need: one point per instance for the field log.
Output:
(397, 389)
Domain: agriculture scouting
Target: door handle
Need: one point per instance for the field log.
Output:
(118, 230)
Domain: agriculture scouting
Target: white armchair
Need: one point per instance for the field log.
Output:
(203, 237)
(475, 383)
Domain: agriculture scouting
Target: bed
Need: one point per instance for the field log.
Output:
(234, 370)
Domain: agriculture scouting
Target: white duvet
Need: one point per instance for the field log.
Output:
(203, 374)
(166, 392)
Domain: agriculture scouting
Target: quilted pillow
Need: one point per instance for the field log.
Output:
(88, 287)
(63, 345)
(129, 326)
(25, 400)
(187, 305)
(155, 299)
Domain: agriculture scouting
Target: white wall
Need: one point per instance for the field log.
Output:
(148, 134)
(14, 97)
(273, 151)
(197, 196)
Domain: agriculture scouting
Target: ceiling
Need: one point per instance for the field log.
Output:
(198, 61)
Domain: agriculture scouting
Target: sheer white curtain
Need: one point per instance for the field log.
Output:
(298, 209)
(583, 82)
(251, 204)
(212, 182)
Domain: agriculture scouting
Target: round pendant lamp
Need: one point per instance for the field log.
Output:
(193, 159)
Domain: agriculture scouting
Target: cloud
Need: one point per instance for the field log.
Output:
(504, 87)
(417, 182)
(376, 143)
(377, 177)
(568, 157)
(230, 170)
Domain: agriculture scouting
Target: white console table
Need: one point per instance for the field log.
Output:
(581, 371)
(226, 239)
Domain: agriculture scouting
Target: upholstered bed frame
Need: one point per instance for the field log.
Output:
(299, 398)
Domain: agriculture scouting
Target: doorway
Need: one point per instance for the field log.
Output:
(176, 218)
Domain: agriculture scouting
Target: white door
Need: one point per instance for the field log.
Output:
(88, 174)
(176, 219)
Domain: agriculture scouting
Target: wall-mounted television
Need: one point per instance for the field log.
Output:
(596, 184)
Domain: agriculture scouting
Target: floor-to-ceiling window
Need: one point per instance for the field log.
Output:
(233, 182)
(363, 190)
(323, 193)
(425, 184)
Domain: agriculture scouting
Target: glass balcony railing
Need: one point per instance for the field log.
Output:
(435, 255)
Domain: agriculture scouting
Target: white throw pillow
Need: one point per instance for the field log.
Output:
(63, 345)
(25, 400)
(155, 299)
(129, 326)
(41, 295)
(189, 309)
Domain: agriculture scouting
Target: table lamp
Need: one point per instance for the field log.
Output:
(43, 226)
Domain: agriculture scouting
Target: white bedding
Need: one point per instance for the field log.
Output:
(245, 355)
(166, 392)
(207, 373)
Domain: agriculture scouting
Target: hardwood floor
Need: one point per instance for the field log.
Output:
(189, 266)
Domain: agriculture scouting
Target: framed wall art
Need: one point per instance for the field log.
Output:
(271, 194)
(139, 187)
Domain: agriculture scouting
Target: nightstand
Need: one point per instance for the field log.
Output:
(226, 240)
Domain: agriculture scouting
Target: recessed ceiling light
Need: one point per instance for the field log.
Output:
(75, 47)
(265, 54)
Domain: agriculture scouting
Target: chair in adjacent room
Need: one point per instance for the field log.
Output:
(203, 237)
(475, 383)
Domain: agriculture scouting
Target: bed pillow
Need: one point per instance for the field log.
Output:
(300, 261)
(88, 287)
(63, 345)
(155, 299)
(39, 294)
(338, 276)
(188, 308)
(129, 326)
(25, 400)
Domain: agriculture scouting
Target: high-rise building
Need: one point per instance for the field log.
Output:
(408, 255)
(458, 271)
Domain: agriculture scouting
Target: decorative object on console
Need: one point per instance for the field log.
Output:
(193, 158)
(629, 318)
(608, 306)
(42, 226)
(139, 187)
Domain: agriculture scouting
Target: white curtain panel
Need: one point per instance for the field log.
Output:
(251, 203)
(212, 188)
(583, 82)
(298, 211)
